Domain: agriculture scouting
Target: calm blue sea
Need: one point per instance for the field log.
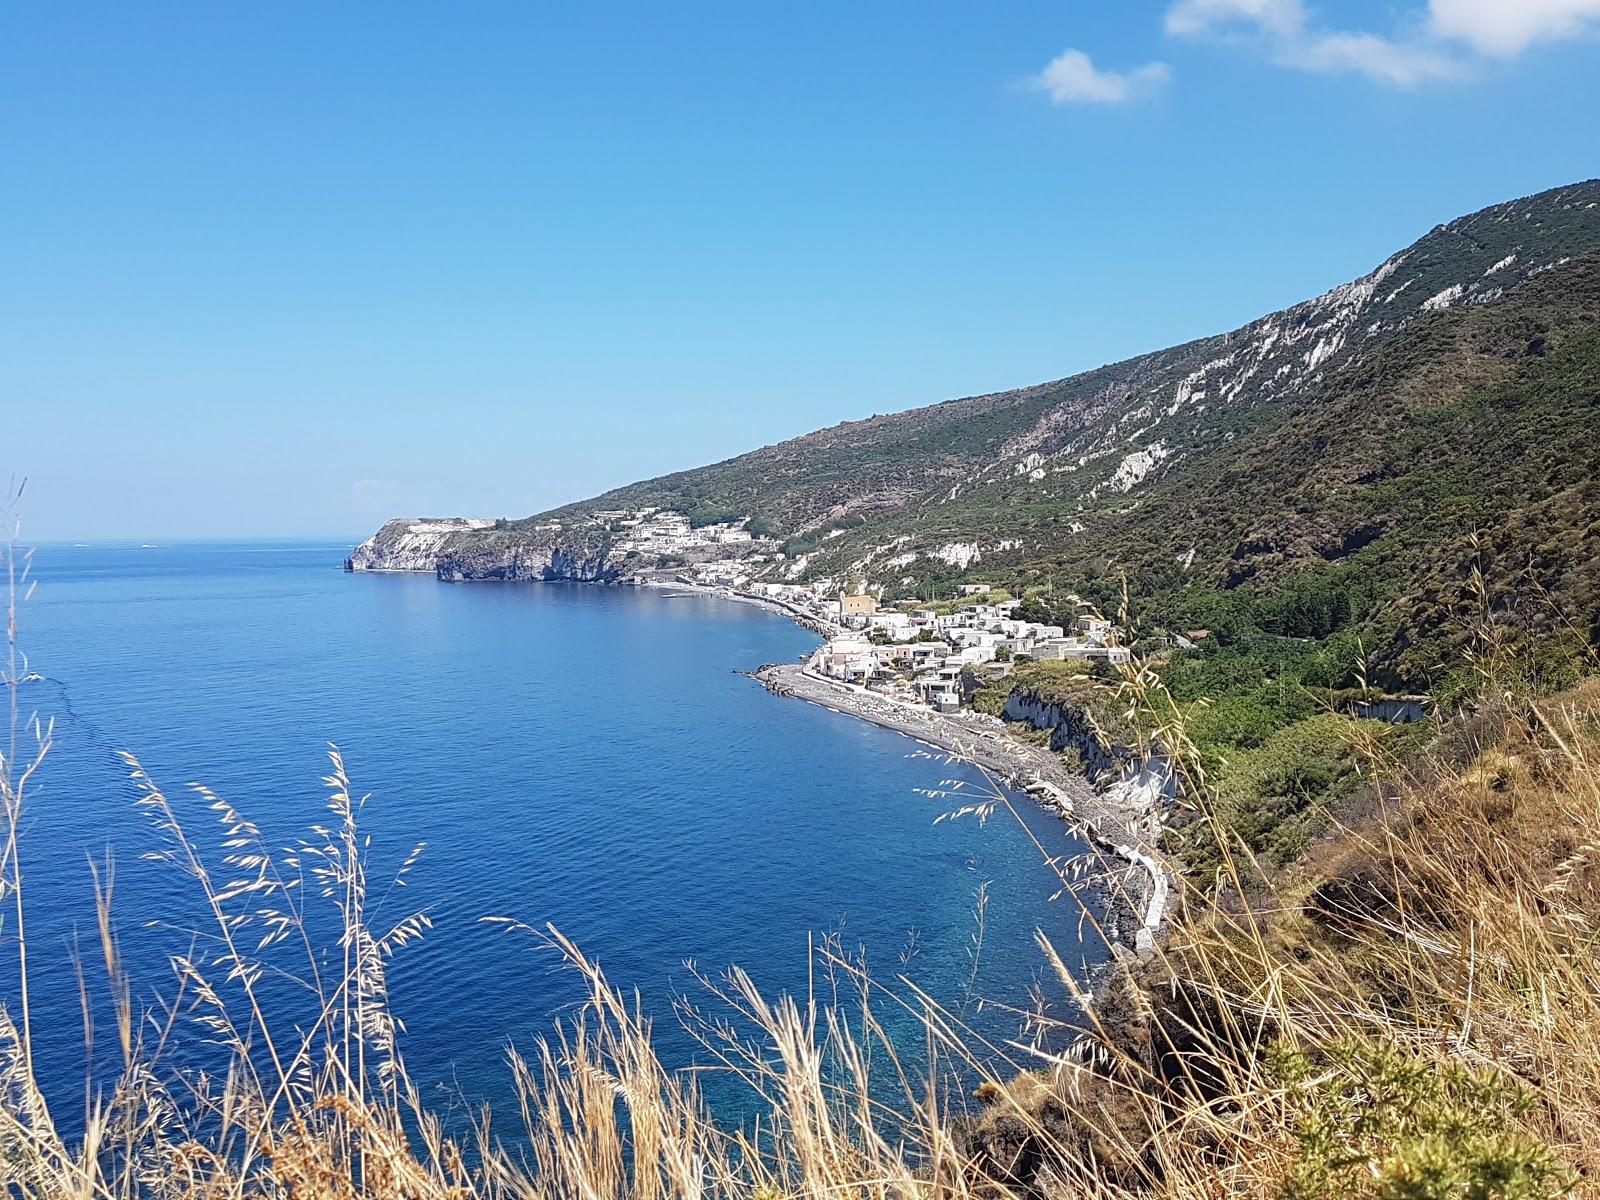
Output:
(585, 756)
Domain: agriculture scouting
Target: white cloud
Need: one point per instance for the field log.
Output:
(1435, 40)
(1287, 32)
(1508, 27)
(1400, 63)
(1284, 32)
(1071, 78)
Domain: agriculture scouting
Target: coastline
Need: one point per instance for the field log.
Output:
(1135, 898)
(801, 618)
(1115, 820)
(1118, 821)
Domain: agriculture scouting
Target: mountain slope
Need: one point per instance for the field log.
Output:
(1170, 398)
(1385, 418)
(1470, 440)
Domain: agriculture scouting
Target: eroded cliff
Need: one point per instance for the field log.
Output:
(472, 548)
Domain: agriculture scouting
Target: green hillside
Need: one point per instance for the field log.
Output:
(1470, 439)
(911, 460)
(1338, 457)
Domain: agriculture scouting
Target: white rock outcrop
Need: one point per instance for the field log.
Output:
(410, 544)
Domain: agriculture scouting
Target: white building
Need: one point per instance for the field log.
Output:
(896, 624)
(1112, 654)
(851, 659)
(1060, 649)
(972, 655)
(1067, 649)
(1096, 629)
(942, 690)
(976, 637)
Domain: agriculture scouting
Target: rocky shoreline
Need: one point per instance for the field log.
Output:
(1135, 896)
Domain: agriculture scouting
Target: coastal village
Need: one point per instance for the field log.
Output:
(929, 667)
(932, 655)
(928, 654)
(914, 666)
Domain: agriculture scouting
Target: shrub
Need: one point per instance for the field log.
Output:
(1367, 1120)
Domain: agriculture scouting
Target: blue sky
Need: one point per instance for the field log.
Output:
(285, 269)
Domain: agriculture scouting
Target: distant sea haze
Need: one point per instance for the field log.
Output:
(585, 756)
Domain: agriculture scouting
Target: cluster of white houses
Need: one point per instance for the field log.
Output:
(927, 653)
(659, 531)
(918, 653)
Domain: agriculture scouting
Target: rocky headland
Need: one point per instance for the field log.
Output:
(463, 548)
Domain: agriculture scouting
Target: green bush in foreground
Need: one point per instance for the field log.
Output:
(1368, 1120)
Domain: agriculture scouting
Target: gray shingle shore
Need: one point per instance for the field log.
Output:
(1136, 895)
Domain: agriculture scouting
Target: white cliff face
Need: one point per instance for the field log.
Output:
(1130, 427)
(1134, 467)
(1032, 465)
(1444, 299)
(410, 545)
(461, 548)
(959, 554)
(1069, 729)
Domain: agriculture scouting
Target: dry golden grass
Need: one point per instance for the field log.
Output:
(1415, 1014)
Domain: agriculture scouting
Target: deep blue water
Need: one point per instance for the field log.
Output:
(584, 756)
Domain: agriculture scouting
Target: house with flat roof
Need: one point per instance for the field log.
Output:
(1060, 649)
(896, 624)
(850, 659)
(943, 690)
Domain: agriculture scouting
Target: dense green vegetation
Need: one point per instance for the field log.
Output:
(1465, 444)
(1367, 1118)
